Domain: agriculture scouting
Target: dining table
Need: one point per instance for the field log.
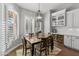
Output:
(34, 40)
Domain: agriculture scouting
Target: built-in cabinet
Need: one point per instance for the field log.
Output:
(73, 18)
(67, 41)
(58, 18)
(69, 19)
(76, 18)
(62, 18)
(71, 41)
(75, 42)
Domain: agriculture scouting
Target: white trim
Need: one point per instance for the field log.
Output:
(6, 52)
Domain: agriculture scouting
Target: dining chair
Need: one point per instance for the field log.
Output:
(42, 47)
(51, 42)
(38, 34)
(26, 46)
(31, 34)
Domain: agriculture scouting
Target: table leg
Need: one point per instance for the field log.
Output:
(52, 45)
(32, 51)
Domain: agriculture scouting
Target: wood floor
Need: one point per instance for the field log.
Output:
(65, 51)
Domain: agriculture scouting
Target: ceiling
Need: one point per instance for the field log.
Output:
(44, 7)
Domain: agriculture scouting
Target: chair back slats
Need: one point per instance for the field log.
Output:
(51, 41)
(44, 42)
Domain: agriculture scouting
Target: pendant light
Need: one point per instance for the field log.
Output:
(39, 13)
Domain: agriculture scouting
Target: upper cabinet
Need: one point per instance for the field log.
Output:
(58, 18)
(73, 18)
(63, 18)
(69, 19)
(76, 18)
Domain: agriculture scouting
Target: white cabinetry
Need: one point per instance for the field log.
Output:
(71, 41)
(67, 41)
(76, 18)
(69, 19)
(75, 42)
(73, 18)
(58, 18)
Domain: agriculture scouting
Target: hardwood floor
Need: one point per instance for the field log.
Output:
(13, 53)
(65, 51)
(68, 52)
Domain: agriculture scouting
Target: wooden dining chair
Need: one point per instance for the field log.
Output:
(31, 34)
(38, 34)
(42, 47)
(51, 42)
(26, 46)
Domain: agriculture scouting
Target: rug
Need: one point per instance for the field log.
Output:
(54, 52)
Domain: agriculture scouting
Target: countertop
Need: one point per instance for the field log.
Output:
(71, 34)
(68, 31)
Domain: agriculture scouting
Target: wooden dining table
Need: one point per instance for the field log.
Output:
(34, 40)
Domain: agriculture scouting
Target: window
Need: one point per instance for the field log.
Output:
(30, 24)
(12, 26)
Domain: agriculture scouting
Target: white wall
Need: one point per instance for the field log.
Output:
(47, 22)
(28, 14)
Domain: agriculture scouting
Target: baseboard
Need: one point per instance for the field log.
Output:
(7, 52)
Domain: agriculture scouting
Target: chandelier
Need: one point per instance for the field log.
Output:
(38, 12)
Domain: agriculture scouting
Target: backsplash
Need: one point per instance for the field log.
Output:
(54, 30)
(63, 30)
